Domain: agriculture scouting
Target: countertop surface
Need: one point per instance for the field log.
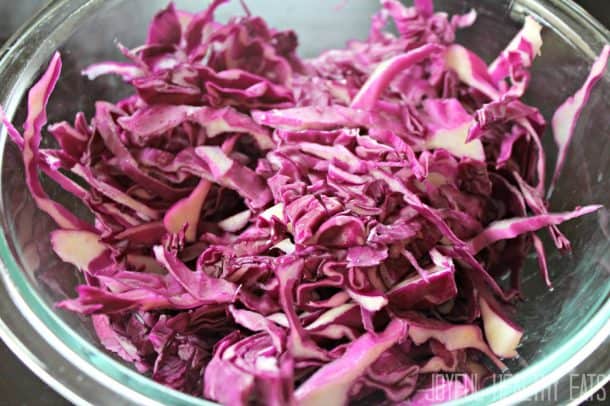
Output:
(18, 386)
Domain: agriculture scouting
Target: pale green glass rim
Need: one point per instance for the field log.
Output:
(573, 23)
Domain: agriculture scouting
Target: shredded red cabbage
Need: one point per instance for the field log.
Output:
(272, 230)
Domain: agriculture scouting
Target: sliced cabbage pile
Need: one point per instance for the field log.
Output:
(272, 230)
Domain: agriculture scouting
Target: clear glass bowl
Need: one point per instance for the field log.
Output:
(567, 329)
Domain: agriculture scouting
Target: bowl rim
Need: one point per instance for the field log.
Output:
(30, 328)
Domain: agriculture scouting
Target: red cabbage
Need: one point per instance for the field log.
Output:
(333, 381)
(565, 118)
(272, 230)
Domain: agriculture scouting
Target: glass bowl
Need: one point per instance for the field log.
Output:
(567, 329)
